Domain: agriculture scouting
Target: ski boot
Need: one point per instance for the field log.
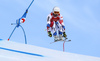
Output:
(60, 37)
(56, 38)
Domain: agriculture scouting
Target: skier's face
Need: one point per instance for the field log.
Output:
(56, 12)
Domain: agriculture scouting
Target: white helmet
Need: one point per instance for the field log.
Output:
(56, 9)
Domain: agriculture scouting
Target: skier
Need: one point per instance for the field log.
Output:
(55, 23)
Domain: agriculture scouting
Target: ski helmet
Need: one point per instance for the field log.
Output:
(56, 9)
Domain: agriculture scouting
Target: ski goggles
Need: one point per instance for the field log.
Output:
(56, 12)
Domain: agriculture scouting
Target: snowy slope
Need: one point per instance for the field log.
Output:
(12, 51)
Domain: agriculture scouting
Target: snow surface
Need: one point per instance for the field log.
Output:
(12, 51)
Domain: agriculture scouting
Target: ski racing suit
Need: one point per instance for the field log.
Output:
(55, 23)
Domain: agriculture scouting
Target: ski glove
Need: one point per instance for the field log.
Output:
(49, 34)
(64, 34)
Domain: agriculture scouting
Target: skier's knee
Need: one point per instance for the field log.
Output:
(54, 34)
(60, 33)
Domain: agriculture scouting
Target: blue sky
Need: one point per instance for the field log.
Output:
(81, 18)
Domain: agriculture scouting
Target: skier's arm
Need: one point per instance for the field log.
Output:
(48, 26)
(61, 22)
(63, 26)
(48, 22)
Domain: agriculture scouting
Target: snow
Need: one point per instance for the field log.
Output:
(12, 51)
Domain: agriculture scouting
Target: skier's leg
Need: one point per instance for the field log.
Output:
(55, 36)
(54, 30)
(60, 35)
(60, 32)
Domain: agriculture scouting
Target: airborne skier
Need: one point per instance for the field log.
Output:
(55, 23)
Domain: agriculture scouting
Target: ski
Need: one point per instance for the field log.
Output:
(65, 40)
